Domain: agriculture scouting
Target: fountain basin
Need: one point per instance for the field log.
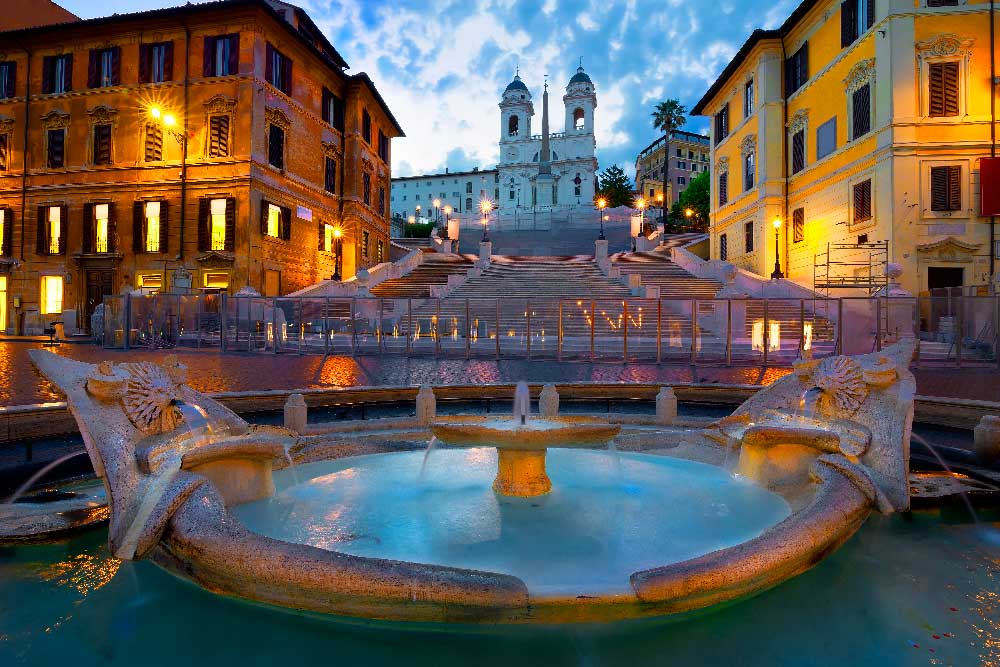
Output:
(538, 433)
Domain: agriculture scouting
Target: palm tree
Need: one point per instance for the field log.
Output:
(669, 115)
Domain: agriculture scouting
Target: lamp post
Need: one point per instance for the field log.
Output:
(486, 206)
(663, 210)
(418, 212)
(168, 122)
(447, 220)
(640, 204)
(601, 205)
(338, 250)
(777, 274)
(689, 213)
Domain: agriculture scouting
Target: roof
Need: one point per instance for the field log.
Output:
(580, 77)
(29, 13)
(685, 136)
(326, 53)
(447, 174)
(363, 77)
(756, 37)
(516, 84)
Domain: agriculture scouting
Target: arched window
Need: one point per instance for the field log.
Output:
(512, 126)
(578, 119)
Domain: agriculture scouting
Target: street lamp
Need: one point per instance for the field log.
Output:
(777, 274)
(601, 205)
(447, 220)
(339, 250)
(418, 211)
(640, 204)
(486, 206)
(437, 211)
(663, 208)
(168, 122)
(411, 220)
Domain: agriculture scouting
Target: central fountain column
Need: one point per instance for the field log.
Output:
(521, 473)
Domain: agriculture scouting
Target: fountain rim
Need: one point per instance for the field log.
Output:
(574, 432)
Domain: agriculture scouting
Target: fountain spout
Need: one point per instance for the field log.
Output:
(522, 402)
(809, 401)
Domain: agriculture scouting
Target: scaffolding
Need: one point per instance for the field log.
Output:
(859, 266)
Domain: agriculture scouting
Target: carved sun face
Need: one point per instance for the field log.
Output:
(149, 398)
(843, 385)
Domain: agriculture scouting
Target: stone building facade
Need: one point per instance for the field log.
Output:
(414, 196)
(205, 147)
(688, 155)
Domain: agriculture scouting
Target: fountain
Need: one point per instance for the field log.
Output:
(521, 443)
(196, 491)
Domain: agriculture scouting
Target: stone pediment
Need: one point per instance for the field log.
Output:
(216, 259)
(949, 249)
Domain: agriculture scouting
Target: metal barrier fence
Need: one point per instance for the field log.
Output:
(953, 331)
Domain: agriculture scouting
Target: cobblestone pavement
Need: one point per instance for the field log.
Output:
(210, 371)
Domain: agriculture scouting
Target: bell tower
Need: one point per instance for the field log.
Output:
(580, 101)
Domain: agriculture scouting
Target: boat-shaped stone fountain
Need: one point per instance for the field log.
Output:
(717, 514)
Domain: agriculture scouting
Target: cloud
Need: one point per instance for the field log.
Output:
(442, 65)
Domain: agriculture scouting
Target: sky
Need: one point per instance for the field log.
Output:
(442, 65)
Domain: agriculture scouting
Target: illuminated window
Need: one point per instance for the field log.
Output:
(152, 241)
(55, 231)
(327, 238)
(152, 282)
(101, 213)
(217, 209)
(3, 303)
(3, 233)
(273, 221)
(217, 280)
(52, 295)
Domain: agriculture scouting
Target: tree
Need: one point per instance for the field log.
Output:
(668, 116)
(696, 197)
(615, 186)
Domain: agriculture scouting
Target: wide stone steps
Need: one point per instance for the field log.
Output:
(435, 270)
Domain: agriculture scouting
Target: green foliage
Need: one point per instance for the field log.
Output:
(614, 185)
(418, 230)
(696, 197)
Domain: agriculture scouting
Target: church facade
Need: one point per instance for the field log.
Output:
(550, 169)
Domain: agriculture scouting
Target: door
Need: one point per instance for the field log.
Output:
(944, 276)
(100, 283)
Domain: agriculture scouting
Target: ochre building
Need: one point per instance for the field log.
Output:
(855, 131)
(206, 147)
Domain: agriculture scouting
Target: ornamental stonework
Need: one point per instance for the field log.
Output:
(55, 120)
(945, 44)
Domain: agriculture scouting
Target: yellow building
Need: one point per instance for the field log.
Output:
(855, 132)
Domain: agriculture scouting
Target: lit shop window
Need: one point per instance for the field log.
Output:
(218, 222)
(152, 213)
(101, 227)
(52, 295)
(55, 231)
(273, 221)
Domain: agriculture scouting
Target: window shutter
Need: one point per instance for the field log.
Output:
(321, 233)
(138, 227)
(803, 64)
(144, 58)
(68, 73)
(88, 228)
(168, 61)
(47, 69)
(8, 229)
(330, 176)
(863, 201)
(870, 16)
(112, 229)
(218, 141)
(164, 226)
(954, 188)
(263, 217)
(3, 152)
(798, 151)
(269, 63)
(57, 141)
(64, 229)
(848, 11)
(325, 106)
(102, 144)
(116, 66)
(935, 80)
(93, 79)
(41, 233)
(204, 235)
(286, 223)
(862, 112)
(950, 88)
(234, 54)
(230, 224)
(286, 79)
(208, 56)
(798, 225)
(276, 147)
(723, 247)
(723, 188)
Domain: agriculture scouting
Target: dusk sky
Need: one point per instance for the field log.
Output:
(442, 64)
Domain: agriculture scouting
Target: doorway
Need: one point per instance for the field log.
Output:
(100, 283)
(939, 277)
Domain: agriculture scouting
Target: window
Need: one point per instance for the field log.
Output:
(863, 201)
(861, 120)
(150, 227)
(218, 136)
(366, 188)
(51, 295)
(51, 234)
(154, 142)
(104, 69)
(102, 232)
(579, 119)
(723, 188)
(468, 188)
(680, 153)
(6, 231)
(942, 93)
(946, 188)
(217, 224)
(8, 80)
(512, 126)
(275, 146)
(333, 110)
(216, 280)
(468, 203)
(326, 237)
(797, 70)
(272, 221)
(681, 180)
(365, 241)
(723, 247)
(798, 225)
(748, 171)
(221, 56)
(383, 147)
(156, 62)
(748, 236)
(102, 143)
(856, 17)
(4, 151)
(366, 126)
(3, 303)
(747, 99)
(682, 165)
(381, 200)
(330, 176)
(57, 74)
(278, 70)
(149, 282)
(798, 151)
(721, 125)
(826, 138)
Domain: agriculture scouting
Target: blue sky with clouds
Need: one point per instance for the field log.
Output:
(442, 64)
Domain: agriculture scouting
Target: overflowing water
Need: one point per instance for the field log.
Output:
(431, 446)
(21, 490)
(522, 403)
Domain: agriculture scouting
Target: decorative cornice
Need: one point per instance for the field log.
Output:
(945, 44)
(330, 149)
(798, 121)
(860, 74)
(101, 114)
(220, 104)
(55, 120)
(722, 166)
(749, 144)
(277, 117)
(367, 164)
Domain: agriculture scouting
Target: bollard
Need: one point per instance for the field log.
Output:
(426, 406)
(548, 401)
(296, 413)
(666, 406)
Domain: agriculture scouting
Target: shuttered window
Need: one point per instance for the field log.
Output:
(722, 124)
(150, 226)
(330, 176)
(8, 79)
(366, 188)
(56, 157)
(383, 146)
(333, 109)
(217, 224)
(798, 225)
(946, 188)
(156, 62)
(6, 231)
(218, 136)
(221, 56)
(154, 142)
(104, 68)
(856, 17)
(723, 188)
(798, 151)
(942, 3)
(102, 144)
(366, 126)
(863, 201)
(861, 104)
(748, 236)
(723, 247)
(278, 70)
(942, 91)
(276, 146)
(748, 171)
(797, 70)
(57, 74)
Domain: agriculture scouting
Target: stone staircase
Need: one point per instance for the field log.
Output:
(658, 270)
(434, 270)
